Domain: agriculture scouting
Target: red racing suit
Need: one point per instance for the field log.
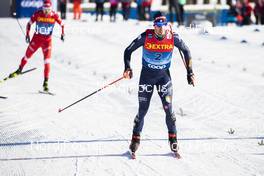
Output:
(42, 37)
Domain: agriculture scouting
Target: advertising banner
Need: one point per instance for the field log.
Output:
(25, 8)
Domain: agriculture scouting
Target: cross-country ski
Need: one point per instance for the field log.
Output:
(13, 75)
(46, 92)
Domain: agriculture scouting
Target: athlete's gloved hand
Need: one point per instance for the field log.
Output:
(190, 78)
(62, 37)
(27, 38)
(128, 73)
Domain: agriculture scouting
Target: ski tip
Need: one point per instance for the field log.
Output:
(59, 110)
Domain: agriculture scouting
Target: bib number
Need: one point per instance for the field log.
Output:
(44, 30)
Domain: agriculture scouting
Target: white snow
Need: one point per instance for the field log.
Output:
(92, 137)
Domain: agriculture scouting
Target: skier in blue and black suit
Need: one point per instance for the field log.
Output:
(158, 44)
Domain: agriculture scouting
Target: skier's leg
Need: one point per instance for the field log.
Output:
(31, 49)
(165, 91)
(46, 49)
(144, 96)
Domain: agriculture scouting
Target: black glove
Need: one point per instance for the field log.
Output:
(190, 78)
(27, 39)
(62, 37)
(128, 73)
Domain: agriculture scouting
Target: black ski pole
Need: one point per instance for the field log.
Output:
(19, 24)
(113, 82)
(180, 53)
(184, 63)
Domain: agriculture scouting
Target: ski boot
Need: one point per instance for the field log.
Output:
(174, 145)
(135, 141)
(16, 73)
(45, 85)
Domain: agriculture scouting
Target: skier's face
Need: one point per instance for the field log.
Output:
(160, 30)
(47, 10)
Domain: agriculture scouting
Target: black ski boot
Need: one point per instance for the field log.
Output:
(135, 141)
(14, 74)
(174, 145)
(173, 142)
(45, 85)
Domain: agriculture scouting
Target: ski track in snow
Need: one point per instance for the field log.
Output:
(92, 137)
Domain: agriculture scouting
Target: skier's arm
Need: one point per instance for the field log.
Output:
(186, 52)
(138, 42)
(31, 21)
(59, 21)
(187, 58)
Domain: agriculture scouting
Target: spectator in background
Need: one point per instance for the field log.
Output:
(147, 9)
(140, 10)
(77, 9)
(158, 14)
(63, 8)
(126, 8)
(181, 10)
(113, 8)
(99, 9)
(259, 11)
(232, 12)
(174, 7)
(245, 12)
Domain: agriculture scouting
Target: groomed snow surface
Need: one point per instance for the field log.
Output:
(92, 137)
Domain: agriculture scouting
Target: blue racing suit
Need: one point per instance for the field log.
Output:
(156, 59)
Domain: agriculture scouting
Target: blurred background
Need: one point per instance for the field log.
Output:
(182, 12)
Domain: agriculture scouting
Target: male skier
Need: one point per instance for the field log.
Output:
(158, 44)
(45, 20)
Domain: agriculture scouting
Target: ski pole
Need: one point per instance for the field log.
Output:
(19, 24)
(184, 63)
(180, 52)
(113, 82)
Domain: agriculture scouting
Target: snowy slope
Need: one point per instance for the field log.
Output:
(92, 137)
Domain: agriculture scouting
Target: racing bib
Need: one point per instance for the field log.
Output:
(157, 54)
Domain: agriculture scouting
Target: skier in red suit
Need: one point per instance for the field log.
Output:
(45, 20)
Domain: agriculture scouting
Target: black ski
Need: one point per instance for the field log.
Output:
(3, 97)
(29, 70)
(46, 92)
(26, 71)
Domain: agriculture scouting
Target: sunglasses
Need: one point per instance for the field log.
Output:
(160, 24)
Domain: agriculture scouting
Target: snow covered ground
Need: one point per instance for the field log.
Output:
(92, 137)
